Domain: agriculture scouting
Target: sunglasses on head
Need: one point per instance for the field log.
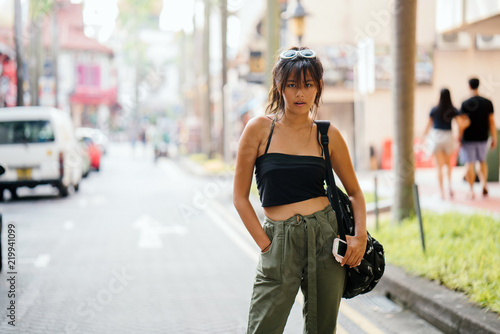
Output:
(290, 54)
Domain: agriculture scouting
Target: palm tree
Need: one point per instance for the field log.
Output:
(39, 10)
(403, 54)
(18, 31)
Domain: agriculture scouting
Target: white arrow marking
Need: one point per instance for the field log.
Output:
(68, 225)
(150, 231)
(42, 261)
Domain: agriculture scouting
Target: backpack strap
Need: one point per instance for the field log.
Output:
(331, 189)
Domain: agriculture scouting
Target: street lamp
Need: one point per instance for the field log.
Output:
(298, 21)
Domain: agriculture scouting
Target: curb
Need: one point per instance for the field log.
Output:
(447, 310)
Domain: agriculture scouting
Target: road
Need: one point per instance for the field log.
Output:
(146, 248)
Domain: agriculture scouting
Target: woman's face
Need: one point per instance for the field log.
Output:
(299, 96)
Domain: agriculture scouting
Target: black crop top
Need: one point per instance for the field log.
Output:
(285, 178)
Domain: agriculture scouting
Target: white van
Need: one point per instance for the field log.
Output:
(38, 146)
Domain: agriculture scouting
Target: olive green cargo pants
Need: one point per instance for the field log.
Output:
(300, 256)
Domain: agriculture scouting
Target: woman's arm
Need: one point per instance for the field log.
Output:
(248, 149)
(342, 165)
(428, 126)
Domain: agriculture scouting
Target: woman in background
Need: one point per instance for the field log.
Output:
(442, 142)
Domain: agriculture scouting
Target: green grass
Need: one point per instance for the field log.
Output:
(462, 252)
(215, 165)
(369, 197)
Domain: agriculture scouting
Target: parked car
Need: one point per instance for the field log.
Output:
(101, 140)
(38, 146)
(97, 136)
(84, 151)
(94, 150)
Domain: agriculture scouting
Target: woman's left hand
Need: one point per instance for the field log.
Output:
(356, 247)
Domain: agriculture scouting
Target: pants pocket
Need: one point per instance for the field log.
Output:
(270, 262)
(330, 230)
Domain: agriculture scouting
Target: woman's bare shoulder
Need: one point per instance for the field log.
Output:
(333, 132)
(259, 124)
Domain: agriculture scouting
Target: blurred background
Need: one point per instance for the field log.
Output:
(135, 68)
(119, 126)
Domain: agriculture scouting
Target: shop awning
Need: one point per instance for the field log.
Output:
(93, 96)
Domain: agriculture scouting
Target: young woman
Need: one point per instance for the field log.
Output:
(441, 139)
(297, 235)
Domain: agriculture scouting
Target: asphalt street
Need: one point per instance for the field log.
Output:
(146, 247)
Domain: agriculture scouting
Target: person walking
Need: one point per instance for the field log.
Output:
(296, 237)
(475, 137)
(440, 138)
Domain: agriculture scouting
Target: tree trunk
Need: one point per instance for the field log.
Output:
(55, 55)
(207, 144)
(403, 54)
(273, 22)
(223, 19)
(36, 59)
(18, 32)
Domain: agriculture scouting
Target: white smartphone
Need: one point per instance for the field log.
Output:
(339, 249)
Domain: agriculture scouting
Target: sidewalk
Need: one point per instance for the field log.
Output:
(447, 310)
(430, 198)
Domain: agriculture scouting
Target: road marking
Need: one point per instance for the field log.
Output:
(83, 202)
(42, 261)
(150, 231)
(92, 200)
(359, 320)
(69, 225)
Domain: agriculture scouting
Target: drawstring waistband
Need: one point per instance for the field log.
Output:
(311, 260)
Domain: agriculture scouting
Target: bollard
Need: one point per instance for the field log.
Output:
(419, 214)
(376, 202)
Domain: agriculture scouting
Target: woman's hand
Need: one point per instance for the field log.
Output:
(356, 247)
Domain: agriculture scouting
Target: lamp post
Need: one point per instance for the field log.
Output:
(298, 21)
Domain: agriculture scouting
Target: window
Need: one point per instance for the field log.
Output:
(89, 75)
(22, 132)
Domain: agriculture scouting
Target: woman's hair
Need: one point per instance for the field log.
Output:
(445, 99)
(299, 67)
(445, 107)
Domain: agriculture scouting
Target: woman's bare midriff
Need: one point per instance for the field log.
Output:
(304, 208)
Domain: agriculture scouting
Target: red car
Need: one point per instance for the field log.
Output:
(94, 153)
(94, 149)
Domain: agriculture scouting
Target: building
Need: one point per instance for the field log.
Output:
(451, 48)
(8, 80)
(86, 74)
